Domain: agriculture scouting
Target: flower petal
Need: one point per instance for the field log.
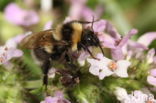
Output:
(104, 73)
(14, 14)
(150, 55)
(153, 72)
(94, 70)
(93, 62)
(99, 26)
(122, 68)
(106, 40)
(127, 37)
(134, 44)
(99, 67)
(112, 31)
(117, 54)
(51, 99)
(121, 93)
(151, 80)
(103, 60)
(75, 11)
(147, 38)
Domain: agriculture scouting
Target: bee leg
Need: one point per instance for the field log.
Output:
(45, 67)
(70, 62)
(85, 48)
(74, 71)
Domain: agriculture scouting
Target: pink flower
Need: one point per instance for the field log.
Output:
(116, 43)
(147, 38)
(100, 26)
(9, 50)
(139, 97)
(13, 42)
(135, 97)
(82, 58)
(58, 98)
(137, 47)
(151, 79)
(110, 38)
(18, 16)
(117, 53)
(106, 67)
(78, 10)
(7, 53)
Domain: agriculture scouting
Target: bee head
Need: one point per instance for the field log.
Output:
(89, 38)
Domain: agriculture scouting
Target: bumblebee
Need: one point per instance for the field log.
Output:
(61, 42)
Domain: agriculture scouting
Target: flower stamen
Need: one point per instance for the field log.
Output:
(149, 101)
(112, 66)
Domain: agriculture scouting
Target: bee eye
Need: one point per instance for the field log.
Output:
(89, 39)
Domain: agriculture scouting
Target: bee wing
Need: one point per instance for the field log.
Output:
(37, 39)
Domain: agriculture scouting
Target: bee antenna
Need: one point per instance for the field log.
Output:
(86, 22)
(101, 49)
(92, 23)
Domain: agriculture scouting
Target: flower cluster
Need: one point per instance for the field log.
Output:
(58, 98)
(106, 67)
(18, 16)
(135, 97)
(9, 50)
(126, 63)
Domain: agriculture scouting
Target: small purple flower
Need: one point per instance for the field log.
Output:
(106, 40)
(78, 10)
(99, 26)
(147, 38)
(136, 45)
(112, 31)
(18, 16)
(88, 14)
(7, 53)
(13, 42)
(117, 53)
(9, 50)
(58, 98)
(135, 97)
(83, 56)
(140, 97)
(106, 67)
(110, 38)
(151, 79)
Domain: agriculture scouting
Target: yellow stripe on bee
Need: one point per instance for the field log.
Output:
(76, 37)
(57, 34)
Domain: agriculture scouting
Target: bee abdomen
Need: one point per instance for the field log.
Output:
(41, 54)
